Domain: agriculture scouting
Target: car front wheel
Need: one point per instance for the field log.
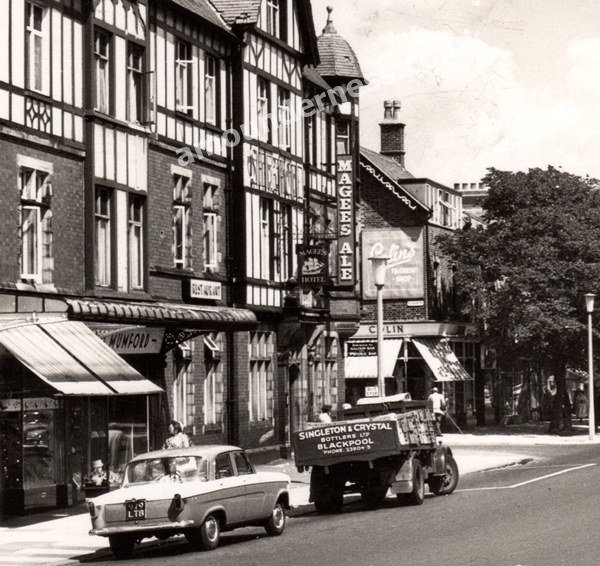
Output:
(276, 524)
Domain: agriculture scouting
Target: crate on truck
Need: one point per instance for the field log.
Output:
(380, 445)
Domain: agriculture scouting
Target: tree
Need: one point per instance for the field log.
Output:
(523, 276)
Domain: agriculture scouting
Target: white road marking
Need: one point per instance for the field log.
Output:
(529, 481)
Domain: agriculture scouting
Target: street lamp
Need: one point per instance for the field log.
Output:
(379, 269)
(589, 305)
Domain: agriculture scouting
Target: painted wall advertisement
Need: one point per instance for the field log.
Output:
(404, 278)
(359, 437)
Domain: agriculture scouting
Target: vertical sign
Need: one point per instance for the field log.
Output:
(347, 256)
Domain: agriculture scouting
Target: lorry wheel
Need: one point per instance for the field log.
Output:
(446, 484)
(417, 495)
(375, 495)
(331, 506)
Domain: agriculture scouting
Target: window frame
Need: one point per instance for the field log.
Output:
(104, 103)
(135, 84)
(136, 241)
(108, 256)
(284, 118)
(211, 89)
(184, 77)
(263, 109)
(182, 202)
(210, 228)
(37, 65)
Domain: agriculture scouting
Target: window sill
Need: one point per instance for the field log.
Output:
(211, 428)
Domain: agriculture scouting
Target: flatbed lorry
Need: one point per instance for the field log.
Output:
(380, 445)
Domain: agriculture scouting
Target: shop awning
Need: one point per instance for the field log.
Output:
(162, 314)
(441, 359)
(363, 367)
(71, 358)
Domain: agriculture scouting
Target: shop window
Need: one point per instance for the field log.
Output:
(183, 385)
(260, 394)
(213, 380)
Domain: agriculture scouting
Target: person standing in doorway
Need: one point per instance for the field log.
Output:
(437, 403)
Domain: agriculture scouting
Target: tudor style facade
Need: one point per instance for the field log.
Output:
(218, 289)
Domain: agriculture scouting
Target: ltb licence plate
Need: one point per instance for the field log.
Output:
(135, 510)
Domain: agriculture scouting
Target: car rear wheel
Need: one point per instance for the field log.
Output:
(210, 533)
(121, 546)
(276, 524)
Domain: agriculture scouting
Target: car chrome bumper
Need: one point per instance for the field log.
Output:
(107, 531)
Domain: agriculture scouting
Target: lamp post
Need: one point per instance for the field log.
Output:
(589, 305)
(379, 271)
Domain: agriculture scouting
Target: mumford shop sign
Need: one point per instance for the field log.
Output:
(137, 340)
(347, 257)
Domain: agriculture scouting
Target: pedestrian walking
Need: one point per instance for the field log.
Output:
(580, 402)
(178, 438)
(437, 404)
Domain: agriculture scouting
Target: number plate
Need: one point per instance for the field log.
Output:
(135, 510)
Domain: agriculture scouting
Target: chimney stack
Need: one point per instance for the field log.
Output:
(392, 132)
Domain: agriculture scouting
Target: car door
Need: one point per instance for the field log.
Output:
(255, 489)
(231, 490)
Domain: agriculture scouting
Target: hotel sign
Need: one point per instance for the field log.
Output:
(313, 264)
(346, 226)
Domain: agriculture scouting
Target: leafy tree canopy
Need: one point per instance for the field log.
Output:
(524, 275)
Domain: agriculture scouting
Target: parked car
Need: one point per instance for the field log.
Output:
(200, 492)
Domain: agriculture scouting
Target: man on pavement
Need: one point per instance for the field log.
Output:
(437, 404)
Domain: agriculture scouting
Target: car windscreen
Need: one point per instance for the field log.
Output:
(178, 468)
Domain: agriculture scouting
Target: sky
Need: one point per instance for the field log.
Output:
(509, 84)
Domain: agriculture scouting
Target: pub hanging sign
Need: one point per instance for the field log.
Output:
(313, 264)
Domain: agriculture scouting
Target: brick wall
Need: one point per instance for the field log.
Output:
(64, 226)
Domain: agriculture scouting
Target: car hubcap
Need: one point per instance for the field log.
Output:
(212, 528)
(278, 516)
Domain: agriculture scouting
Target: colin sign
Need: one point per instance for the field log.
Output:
(357, 437)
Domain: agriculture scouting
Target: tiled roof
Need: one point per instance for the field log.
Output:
(337, 57)
(204, 9)
(312, 75)
(387, 165)
(238, 11)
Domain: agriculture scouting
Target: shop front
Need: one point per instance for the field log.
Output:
(72, 413)
(415, 357)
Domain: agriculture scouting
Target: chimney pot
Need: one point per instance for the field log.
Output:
(392, 132)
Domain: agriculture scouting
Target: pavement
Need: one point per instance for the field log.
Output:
(61, 537)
